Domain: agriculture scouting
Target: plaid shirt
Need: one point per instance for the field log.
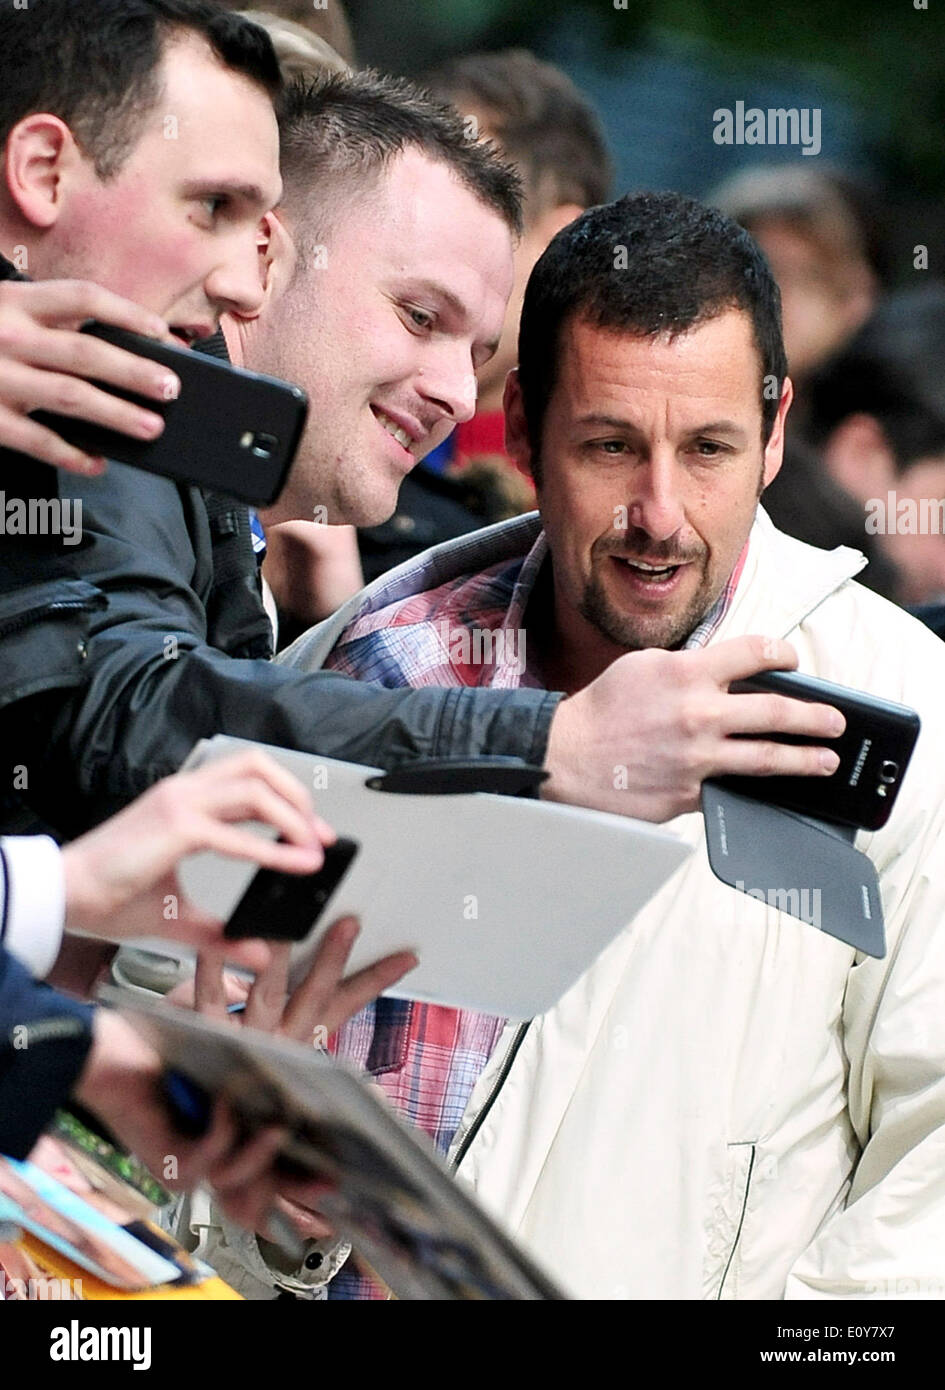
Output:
(467, 631)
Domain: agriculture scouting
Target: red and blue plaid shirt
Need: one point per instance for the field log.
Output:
(426, 1058)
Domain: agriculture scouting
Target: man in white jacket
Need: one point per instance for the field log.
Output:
(730, 1103)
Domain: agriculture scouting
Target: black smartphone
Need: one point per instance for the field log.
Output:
(874, 752)
(229, 430)
(285, 907)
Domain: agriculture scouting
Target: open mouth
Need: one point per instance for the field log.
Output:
(188, 335)
(391, 426)
(649, 574)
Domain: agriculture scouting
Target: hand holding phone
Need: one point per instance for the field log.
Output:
(45, 362)
(874, 752)
(227, 430)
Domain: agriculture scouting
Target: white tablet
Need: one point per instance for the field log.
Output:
(505, 900)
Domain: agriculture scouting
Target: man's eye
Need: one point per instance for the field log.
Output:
(611, 446)
(420, 318)
(213, 204)
(708, 448)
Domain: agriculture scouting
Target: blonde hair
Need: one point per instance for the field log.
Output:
(300, 52)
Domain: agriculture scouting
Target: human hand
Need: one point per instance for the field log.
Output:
(318, 1006)
(120, 1084)
(46, 364)
(642, 738)
(120, 876)
(312, 1013)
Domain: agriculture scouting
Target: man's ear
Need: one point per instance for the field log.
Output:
(40, 155)
(858, 457)
(277, 260)
(277, 254)
(517, 444)
(774, 449)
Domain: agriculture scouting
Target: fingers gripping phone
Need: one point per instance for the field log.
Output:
(284, 907)
(874, 752)
(229, 430)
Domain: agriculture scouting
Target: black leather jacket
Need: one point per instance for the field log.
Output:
(118, 654)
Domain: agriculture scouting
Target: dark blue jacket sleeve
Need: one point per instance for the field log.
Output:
(44, 1041)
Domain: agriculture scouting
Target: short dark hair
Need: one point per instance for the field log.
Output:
(95, 64)
(544, 124)
(648, 264)
(893, 369)
(345, 128)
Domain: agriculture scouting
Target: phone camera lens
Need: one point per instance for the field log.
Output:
(888, 772)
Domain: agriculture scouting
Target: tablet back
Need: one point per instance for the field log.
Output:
(506, 900)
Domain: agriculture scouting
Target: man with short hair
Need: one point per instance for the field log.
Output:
(730, 1103)
(547, 129)
(178, 641)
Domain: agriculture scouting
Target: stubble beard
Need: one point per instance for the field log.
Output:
(636, 632)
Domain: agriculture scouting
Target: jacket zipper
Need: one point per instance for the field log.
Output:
(58, 606)
(500, 1080)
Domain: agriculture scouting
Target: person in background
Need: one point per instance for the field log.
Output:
(327, 21)
(300, 51)
(307, 570)
(823, 239)
(824, 242)
(876, 416)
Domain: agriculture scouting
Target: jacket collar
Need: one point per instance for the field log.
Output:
(782, 582)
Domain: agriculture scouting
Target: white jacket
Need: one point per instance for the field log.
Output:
(730, 1103)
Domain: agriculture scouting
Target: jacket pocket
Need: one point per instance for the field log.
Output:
(43, 632)
(726, 1208)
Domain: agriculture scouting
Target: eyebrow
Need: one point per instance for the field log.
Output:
(457, 306)
(720, 427)
(615, 422)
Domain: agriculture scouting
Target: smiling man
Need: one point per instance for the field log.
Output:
(395, 238)
(730, 1103)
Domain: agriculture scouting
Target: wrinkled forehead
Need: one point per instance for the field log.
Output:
(716, 359)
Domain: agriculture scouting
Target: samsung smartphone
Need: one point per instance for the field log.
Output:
(229, 430)
(874, 752)
(284, 907)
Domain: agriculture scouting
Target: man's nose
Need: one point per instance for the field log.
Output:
(448, 381)
(235, 284)
(656, 504)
